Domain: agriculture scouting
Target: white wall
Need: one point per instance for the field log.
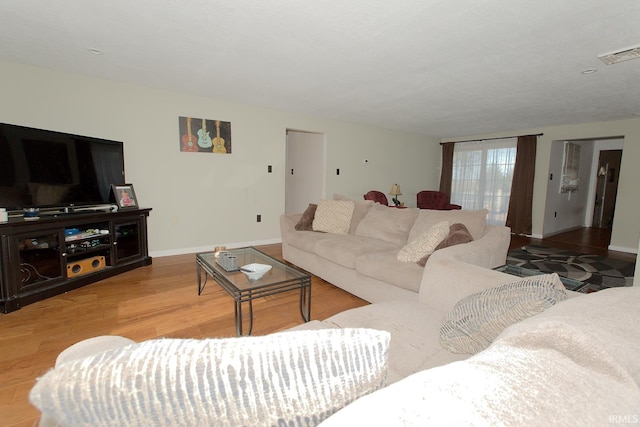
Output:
(626, 227)
(201, 200)
(566, 211)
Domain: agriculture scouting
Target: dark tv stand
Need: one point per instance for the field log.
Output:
(46, 257)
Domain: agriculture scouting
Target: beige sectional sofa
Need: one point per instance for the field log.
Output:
(363, 261)
(575, 363)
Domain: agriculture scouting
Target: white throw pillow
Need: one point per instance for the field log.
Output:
(425, 244)
(333, 216)
(360, 210)
(295, 377)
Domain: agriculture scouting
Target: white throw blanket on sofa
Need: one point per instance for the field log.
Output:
(574, 364)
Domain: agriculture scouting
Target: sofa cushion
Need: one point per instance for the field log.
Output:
(344, 250)
(475, 221)
(458, 234)
(306, 240)
(478, 319)
(306, 222)
(333, 216)
(298, 377)
(414, 334)
(384, 266)
(361, 208)
(388, 224)
(425, 243)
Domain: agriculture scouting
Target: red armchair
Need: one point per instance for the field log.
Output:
(435, 200)
(377, 196)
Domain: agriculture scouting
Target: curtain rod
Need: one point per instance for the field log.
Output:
(490, 139)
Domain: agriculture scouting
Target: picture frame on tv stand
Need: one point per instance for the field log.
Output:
(124, 196)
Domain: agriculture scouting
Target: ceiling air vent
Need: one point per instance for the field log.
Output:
(620, 55)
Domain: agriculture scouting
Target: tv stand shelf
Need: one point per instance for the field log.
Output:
(55, 254)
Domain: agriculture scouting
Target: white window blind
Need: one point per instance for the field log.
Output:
(482, 175)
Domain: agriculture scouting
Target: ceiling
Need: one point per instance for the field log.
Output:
(435, 67)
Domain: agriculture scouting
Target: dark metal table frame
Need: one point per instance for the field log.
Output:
(286, 279)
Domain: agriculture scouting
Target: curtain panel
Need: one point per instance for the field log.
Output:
(519, 216)
(446, 171)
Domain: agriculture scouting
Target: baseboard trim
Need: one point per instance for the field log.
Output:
(193, 250)
(623, 249)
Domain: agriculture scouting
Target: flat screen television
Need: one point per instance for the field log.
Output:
(47, 169)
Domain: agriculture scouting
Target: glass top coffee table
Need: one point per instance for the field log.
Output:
(281, 278)
(516, 270)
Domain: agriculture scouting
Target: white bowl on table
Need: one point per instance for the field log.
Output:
(255, 271)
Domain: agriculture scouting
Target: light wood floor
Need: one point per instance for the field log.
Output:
(160, 300)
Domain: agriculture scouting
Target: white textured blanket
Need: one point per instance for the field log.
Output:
(574, 364)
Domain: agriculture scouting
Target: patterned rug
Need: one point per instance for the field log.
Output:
(599, 272)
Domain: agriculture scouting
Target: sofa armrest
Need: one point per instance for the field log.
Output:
(446, 281)
(288, 223)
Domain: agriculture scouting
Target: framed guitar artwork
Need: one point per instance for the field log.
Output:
(195, 135)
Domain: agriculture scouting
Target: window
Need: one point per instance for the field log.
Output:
(482, 175)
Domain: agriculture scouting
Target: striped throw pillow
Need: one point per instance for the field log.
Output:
(289, 378)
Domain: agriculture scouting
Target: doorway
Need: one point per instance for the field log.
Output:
(577, 209)
(606, 188)
(304, 170)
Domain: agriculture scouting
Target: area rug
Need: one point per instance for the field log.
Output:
(599, 272)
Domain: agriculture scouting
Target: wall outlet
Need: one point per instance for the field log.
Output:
(269, 169)
(259, 218)
(337, 171)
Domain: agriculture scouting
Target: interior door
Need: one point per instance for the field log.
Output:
(606, 188)
(305, 177)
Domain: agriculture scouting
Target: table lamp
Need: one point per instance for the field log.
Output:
(395, 192)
